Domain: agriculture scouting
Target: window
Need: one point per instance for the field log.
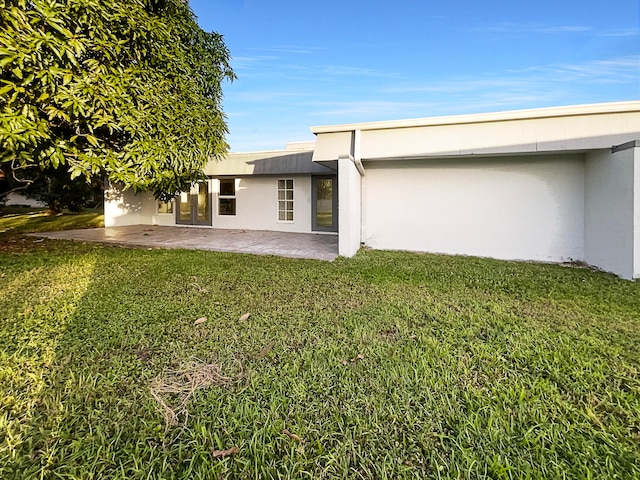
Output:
(285, 200)
(165, 207)
(227, 197)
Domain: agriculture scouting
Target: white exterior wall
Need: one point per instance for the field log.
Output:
(509, 207)
(349, 207)
(127, 208)
(257, 205)
(17, 199)
(166, 219)
(636, 212)
(612, 233)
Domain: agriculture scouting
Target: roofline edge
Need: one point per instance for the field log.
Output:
(501, 116)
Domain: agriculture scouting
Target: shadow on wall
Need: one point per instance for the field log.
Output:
(125, 201)
(122, 207)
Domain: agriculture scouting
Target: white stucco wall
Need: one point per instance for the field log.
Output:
(127, 208)
(17, 199)
(257, 205)
(349, 207)
(611, 222)
(166, 219)
(636, 212)
(520, 207)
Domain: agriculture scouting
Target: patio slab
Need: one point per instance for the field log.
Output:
(258, 242)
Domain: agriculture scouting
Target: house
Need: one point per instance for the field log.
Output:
(18, 200)
(551, 184)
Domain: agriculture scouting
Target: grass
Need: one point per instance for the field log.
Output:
(18, 220)
(387, 365)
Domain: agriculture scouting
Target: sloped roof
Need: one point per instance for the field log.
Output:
(275, 162)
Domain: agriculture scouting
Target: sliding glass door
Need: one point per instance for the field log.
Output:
(324, 203)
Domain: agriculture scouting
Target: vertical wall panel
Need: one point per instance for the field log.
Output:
(528, 208)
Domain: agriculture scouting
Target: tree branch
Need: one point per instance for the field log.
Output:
(16, 189)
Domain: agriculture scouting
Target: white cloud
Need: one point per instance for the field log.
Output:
(267, 137)
(295, 49)
(364, 111)
(537, 86)
(327, 72)
(533, 28)
(620, 33)
(247, 62)
(279, 112)
(536, 78)
(615, 70)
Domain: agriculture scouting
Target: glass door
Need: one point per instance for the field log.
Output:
(324, 204)
(194, 207)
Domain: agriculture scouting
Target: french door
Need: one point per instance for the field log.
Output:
(194, 207)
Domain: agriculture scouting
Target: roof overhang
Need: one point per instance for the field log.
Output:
(546, 130)
(279, 162)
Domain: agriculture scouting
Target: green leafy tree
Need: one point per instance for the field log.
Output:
(57, 190)
(129, 89)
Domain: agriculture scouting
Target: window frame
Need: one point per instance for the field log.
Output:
(285, 200)
(171, 207)
(227, 197)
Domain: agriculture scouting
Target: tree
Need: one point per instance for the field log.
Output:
(129, 89)
(57, 190)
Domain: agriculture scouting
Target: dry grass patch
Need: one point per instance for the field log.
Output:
(174, 390)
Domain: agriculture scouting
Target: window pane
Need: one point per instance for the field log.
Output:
(324, 202)
(324, 188)
(165, 207)
(285, 200)
(185, 206)
(203, 202)
(227, 206)
(227, 187)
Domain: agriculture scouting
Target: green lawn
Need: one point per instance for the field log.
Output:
(17, 220)
(387, 365)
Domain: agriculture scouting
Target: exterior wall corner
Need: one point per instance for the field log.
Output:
(611, 217)
(349, 206)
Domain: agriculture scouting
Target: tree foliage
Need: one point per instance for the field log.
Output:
(131, 89)
(58, 191)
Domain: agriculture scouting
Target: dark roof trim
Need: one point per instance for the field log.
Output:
(625, 146)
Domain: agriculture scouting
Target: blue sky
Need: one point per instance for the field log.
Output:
(306, 63)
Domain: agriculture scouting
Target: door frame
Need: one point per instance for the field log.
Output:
(193, 196)
(334, 204)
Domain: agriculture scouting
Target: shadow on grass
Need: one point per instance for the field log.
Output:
(386, 365)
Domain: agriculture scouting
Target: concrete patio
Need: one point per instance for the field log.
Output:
(294, 245)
